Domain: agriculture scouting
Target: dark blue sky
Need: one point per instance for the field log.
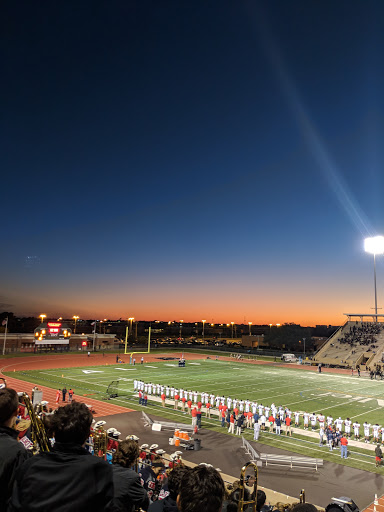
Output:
(187, 159)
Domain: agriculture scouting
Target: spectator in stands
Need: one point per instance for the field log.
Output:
(12, 453)
(304, 507)
(128, 491)
(149, 477)
(169, 504)
(68, 477)
(201, 488)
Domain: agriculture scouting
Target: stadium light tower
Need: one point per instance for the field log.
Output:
(203, 322)
(374, 245)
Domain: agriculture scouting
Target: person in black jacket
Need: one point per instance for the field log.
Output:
(169, 504)
(67, 478)
(128, 491)
(12, 453)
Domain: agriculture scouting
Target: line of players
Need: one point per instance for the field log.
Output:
(261, 413)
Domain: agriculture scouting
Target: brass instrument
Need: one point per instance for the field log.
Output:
(40, 439)
(242, 503)
(100, 442)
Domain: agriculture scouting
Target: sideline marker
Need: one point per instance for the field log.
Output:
(376, 501)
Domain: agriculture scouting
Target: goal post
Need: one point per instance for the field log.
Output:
(130, 352)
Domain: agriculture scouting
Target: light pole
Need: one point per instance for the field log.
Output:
(374, 245)
(42, 318)
(76, 319)
(203, 322)
(181, 326)
(130, 319)
(232, 324)
(304, 347)
(5, 323)
(250, 328)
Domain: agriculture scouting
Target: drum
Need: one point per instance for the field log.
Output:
(177, 442)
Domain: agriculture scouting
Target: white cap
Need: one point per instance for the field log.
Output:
(143, 446)
(132, 437)
(116, 432)
(100, 423)
(178, 452)
(44, 402)
(160, 451)
(153, 446)
(110, 430)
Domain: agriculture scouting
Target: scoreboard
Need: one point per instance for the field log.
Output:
(52, 333)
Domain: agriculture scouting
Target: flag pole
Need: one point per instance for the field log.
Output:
(94, 336)
(5, 335)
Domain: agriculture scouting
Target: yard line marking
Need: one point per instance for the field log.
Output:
(197, 364)
(148, 366)
(126, 369)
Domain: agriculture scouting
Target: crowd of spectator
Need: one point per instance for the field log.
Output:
(73, 473)
(362, 335)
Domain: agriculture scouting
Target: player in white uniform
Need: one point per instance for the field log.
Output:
(375, 432)
(321, 419)
(329, 420)
(313, 421)
(356, 430)
(306, 420)
(339, 424)
(367, 433)
(348, 424)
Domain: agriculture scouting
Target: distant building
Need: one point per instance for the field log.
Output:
(254, 341)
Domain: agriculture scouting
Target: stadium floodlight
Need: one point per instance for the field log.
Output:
(374, 245)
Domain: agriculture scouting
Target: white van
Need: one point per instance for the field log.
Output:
(289, 358)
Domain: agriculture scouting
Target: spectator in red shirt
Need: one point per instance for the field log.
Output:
(271, 420)
(231, 429)
(343, 447)
(177, 398)
(183, 400)
(207, 410)
(288, 428)
(163, 399)
(194, 417)
(189, 404)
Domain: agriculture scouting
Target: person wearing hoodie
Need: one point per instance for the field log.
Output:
(129, 494)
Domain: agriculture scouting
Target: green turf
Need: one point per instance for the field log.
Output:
(335, 394)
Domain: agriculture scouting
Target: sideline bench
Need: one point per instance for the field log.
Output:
(291, 461)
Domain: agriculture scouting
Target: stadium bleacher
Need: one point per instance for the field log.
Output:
(354, 344)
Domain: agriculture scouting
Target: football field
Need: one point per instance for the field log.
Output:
(360, 399)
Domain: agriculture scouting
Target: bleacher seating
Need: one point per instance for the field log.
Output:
(356, 343)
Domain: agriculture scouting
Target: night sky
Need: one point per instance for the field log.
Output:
(192, 160)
